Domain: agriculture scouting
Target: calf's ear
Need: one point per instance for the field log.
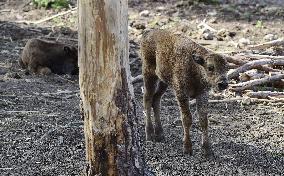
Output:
(198, 59)
(67, 49)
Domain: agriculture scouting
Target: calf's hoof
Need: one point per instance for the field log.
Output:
(160, 138)
(149, 133)
(207, 150)
(187, 148)
(159, 135)
(149, 137)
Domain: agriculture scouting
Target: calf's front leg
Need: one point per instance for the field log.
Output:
(186, 123)
(202, 111)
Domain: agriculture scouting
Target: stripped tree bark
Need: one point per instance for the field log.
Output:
(110, 123)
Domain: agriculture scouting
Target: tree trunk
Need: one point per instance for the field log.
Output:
(110, 123)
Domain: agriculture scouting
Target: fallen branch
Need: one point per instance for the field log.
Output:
(265, 94)
(205, 26)
(242, 99)
(57, 38)
(249, 84)
(253, 64)
(48, 18)
(257, 56)
(278, 42)
(235, 60)
(21, 112)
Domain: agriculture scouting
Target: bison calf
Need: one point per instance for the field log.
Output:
(43, 57)
(190, 69)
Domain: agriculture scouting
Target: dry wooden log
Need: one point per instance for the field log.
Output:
(278, 42)
(257, 56)
(265, 94)
(243, 99)
(239, 61)
(250, 84)
(253, 64)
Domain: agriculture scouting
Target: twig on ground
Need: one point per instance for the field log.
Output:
(61, 38)
(5, 10)
(21, 112)
(205, 26)
(52, 95)
(48, 18)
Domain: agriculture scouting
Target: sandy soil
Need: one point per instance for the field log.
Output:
(41, 130)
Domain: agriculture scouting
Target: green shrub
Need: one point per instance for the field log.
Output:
(56, 4)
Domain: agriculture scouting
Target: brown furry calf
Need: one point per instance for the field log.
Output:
(45, 57)
(190, 69)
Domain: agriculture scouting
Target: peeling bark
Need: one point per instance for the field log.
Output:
(110, 123)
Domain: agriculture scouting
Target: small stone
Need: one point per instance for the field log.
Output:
(232, 34)
(207, 34)
(144, 13)
(270, 37)
(243, 42)
(222, 33)
(138, 25)
(180, 4)
(12, 75)
(213, 20)
(160, 9)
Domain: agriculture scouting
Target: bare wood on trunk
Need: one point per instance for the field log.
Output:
(108, 109)
(249, 84)
(253, 64)
(278, 42)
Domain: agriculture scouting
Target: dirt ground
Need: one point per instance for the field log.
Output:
(41, 132)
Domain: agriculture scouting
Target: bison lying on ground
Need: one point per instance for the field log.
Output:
(45, 57)
(190, 69)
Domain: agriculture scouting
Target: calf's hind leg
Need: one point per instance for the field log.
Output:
(161, 89)
(149, 91)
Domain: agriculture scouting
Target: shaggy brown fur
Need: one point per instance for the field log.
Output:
(187, 67)
(45, 57)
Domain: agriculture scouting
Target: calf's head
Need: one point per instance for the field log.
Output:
(216, 68)
(71, 62)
